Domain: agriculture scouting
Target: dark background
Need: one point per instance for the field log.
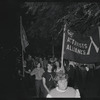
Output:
(9, 19)
(9, 35)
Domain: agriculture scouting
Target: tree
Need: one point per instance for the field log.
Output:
(46, 19)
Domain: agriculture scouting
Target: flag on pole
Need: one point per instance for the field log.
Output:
(24, 40)
(82, 49)
(99, 33)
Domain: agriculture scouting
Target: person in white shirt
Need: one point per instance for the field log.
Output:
(62, 89)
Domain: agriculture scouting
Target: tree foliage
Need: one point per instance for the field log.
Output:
(46, 19)
(47, 15)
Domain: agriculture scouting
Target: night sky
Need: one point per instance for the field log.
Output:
(9, 34)
(9, 20)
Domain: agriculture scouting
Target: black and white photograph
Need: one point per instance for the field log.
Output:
(49, 50)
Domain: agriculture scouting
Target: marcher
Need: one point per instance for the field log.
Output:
(48, 79)
(62, 89)
(45, 62)
(38, 72)
(58, 67)
(41, 61)
(71, 73)
(66, 65)
(29, 63)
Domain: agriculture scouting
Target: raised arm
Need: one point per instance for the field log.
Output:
(33, 72)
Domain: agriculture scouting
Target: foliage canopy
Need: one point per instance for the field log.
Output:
(46, 19)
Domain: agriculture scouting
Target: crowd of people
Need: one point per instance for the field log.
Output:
(53, 80)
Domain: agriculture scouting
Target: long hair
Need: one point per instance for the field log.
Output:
(51, 65)
(66, 65)
(38, 63)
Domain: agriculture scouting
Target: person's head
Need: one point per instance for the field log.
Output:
(38, 65)
(61, 81)
(57, 64)
(66, 62)
(49, 66)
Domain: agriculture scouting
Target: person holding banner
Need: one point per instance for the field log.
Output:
(71, 73)
(58, 66)
(29, 62)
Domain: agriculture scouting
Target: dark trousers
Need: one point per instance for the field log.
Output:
(39, 88)
(45, 93)
(71, 74)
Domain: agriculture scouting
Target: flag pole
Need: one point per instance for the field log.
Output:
(22, 45)
(99, 33)
(62, 53)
